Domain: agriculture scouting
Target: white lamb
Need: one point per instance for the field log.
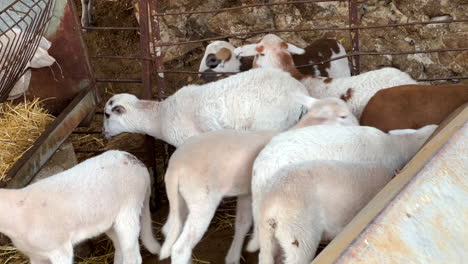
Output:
(353, 144)
(218, 164)
(273, 52)
(259, 99)
(313, 201)
(107, 193)
(219, 57)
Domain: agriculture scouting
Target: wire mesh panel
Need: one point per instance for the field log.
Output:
(22, 24)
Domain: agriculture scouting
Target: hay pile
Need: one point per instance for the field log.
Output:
(9, 255)
(21, 125)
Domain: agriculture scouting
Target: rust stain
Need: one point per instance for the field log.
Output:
(391, 244)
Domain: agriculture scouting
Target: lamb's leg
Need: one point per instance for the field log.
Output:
(127, 229)
(243, 223)
(115, 241)
(63, 255)
(254, 244)
(34, 260)
(299, 238)
(198, 220)
(182, 213)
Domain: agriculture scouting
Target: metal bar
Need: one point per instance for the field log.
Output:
(243, 7)
(128, 80)
(24, 170)
(147, 91)
(87, 132)
(442, 79)
(372, 53)
(362, 53)
(354, 36)
(111, 28)
(119, 57)
(157, 51)
(159, 64)
(307, 29)
(102, 151)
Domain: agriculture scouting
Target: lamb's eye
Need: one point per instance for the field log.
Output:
(261, 54)
(343, 117)
(107, 115)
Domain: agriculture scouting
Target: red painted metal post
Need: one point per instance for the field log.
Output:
(157, 50)
(147, 91)
(354, 35)
(159, 65)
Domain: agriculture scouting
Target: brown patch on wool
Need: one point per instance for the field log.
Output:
(318, 51)
(296, 243)
(328, 80)
(287, 64)
(260, 48)
(223, 54)
(346, 96)
(284, 45)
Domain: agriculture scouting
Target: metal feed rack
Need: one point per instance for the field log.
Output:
(17, 48)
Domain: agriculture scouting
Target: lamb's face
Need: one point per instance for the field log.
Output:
(326, 111)
(332, 111)
(116, 115)
(270, 52)
(219, 57)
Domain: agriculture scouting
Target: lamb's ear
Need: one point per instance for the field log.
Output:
(223, 54)
(304, 100)
(118, 109)
(246, 50)
(295, 49)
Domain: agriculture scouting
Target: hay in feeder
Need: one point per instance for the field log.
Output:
(21, 125)
(10, 255)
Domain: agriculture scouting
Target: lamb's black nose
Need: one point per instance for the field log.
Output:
(212, 61)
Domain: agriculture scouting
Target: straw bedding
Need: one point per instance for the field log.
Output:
(21, 124)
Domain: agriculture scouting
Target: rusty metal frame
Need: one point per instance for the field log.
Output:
(18, 48)
(350, 241)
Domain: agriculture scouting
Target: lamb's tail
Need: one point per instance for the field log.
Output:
(174, 220)
(146, 233)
